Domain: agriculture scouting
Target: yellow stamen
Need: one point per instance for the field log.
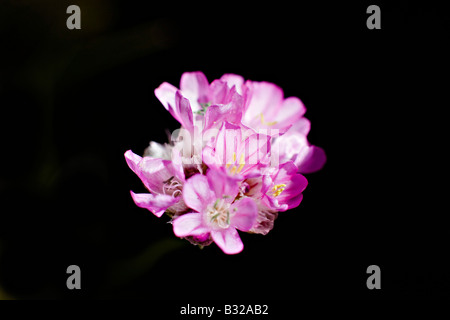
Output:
(234, 160)
(267, 123)
(241, 163)
(278, 189)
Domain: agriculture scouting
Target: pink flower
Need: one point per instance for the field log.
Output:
(294, 146)
(163, 178)
(234, 164)
(240, 158)
(198, 103)
(217, 211)
(282, 190)
(265, 106)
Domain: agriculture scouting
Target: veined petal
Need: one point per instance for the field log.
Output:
(195, 87)
(189, 224)
(215, 115)
(227, 143)
(184, 112)
(245, 215)
(228, 240)
(154, 172)
(222, 184)
(133, 161)
(197, 193)
(156, 203)
(254, 150)
(219, 90)
(166, 95)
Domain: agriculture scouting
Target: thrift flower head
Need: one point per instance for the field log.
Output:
(236, 161)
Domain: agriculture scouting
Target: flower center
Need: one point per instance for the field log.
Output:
(172, 187)
(278, 189)
(219, 214)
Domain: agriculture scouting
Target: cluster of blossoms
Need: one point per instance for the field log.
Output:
(236, 161)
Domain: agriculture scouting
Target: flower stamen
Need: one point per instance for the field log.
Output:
(219, 214)
(267, 123)
(278, 189)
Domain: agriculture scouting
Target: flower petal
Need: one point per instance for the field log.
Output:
(195, 88)
(189, 224)
(215, 115)
(246, 213)
(312, 160)
(197, 193)
(233, 80)
(154, 172)
(254, 150)
(292, 194)
(265, 99)
(226, 145)
(290, 111)
(184, 112)
(228, 240)
(133, 161)
(166, 95)
(157, 204)
(222, 184)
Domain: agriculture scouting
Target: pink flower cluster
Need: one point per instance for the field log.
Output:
(236, 161)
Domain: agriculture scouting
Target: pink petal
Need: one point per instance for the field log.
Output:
(265, 99)
(312, 160)
(292, 195)
(189, 224)
(219, 91)
(255, 148)
(292, 203)
(290, 111)
(228, 240)
(233, 80)
(166, 95)
(217, 114)
(153, 172)
(177, 164)
(184, 111)
(195, 87)
(302, 127)
(197, 193)
(209, 157)
(157, 204)
(227, 142)
(133, 161)
(246, 213)
(222, 184)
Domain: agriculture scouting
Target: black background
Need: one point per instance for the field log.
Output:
(73, 101)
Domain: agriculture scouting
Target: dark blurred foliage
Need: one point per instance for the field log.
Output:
(73, 101)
